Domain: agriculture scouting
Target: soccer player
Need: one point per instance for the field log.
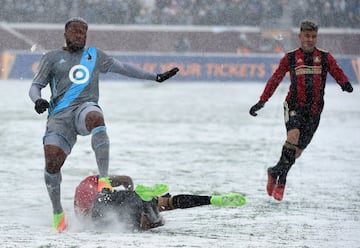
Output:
(308, 67)
(137, 209)
(73, 75)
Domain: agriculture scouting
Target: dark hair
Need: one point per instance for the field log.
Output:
(307, 25)
(75, 19)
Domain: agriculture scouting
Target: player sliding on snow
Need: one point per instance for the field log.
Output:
(73, 75)
(138, 209)
(308, 67)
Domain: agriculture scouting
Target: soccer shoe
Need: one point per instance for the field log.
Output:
(147, 193)
(59, 224)
(270, 183)
(278, 192)
(228, 200)
(104, 182)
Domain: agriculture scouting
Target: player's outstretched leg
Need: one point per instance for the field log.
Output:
(228, 200)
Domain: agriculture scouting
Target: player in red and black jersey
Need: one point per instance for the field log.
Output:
(308, 67)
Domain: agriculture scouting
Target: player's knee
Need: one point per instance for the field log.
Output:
(293, 136)
(94, 119)
(293, 146)
(54, 158)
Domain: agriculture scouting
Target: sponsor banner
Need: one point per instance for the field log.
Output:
(256, 68)
(6, 64)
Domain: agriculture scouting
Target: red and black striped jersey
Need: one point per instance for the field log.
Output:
(308, 72)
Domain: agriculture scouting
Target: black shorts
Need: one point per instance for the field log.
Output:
(123, 207)
(302, 120)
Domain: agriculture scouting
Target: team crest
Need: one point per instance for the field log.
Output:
(79, 74)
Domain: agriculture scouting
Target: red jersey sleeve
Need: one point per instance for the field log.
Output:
(275, 79)
(335, 71)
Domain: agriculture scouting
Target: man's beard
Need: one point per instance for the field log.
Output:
(74, 47)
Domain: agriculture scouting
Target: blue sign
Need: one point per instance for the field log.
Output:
(254, 68)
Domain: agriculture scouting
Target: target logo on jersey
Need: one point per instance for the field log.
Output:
(79, 74)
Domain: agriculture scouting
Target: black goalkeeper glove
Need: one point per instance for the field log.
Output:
(347, 87)
(41, 105)
(259, 105)
(166, 75)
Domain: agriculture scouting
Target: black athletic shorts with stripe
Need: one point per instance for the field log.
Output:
(302, 120)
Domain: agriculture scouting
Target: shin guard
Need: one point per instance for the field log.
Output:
(52, 182)
(286, 160)
(100, 145)
(188, 201)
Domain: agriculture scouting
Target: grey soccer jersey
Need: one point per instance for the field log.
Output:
(74, 76)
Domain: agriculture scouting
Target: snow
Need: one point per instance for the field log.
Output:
(197, 138)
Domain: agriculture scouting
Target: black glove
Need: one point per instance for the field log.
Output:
(166, 75)
(41, 105)
(347, 87)
(256, 107)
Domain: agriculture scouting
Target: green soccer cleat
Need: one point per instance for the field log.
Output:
(147, 193)
(59, 224)
(228, 200)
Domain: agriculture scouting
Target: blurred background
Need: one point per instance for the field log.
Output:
(329, 13)
(204, 27)
(243, 26)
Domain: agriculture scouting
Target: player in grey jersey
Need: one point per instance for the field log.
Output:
(73, 75)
